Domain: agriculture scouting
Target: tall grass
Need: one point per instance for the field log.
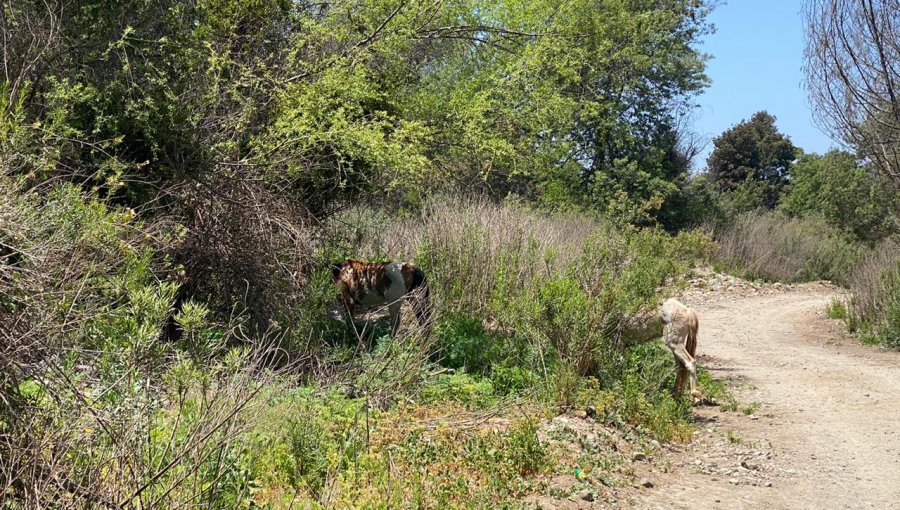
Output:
(774, 247)
(467, 245)
(516, 287)
(875, 302)
(98, 410)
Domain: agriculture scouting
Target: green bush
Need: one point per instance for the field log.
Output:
(463, 344)
(509, 380)
(526, 304)
(472, 392)
(310, 449)
(847, 195)
(837, 310)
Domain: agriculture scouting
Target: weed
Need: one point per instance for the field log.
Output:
(837, 310)
(716, 390)
(752, 408)
(473, 392)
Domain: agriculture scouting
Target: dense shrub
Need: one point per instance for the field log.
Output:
(875, 302)
(521, 288)
(86, 379)
(843, 192)
(774, 247)
(527, 304)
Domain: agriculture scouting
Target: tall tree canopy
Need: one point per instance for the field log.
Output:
(752, 153)
(553, 100)
(845, 193)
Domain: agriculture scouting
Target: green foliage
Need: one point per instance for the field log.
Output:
(519, 451)
(837, 310)
(639, 394)
(696, 204)
(752, 408)
(836, 187)
(309, 448)
(561, 103)
(754, 157)
(509, 380)
(716, 391)
(172, 165)
(526, 304)
(472, 392)
(465, 344)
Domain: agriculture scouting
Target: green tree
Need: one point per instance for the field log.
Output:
(845, 193)
(752, 154)
(551, 100)
(696, 203)
(222, 115)
(580, 109)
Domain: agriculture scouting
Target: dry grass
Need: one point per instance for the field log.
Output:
(867, 281)
(470, 241)
(875, 284)
(773, 247)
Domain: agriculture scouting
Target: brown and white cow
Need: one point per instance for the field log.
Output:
(383, 283)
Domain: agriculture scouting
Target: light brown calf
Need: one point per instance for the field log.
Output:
(680, 326)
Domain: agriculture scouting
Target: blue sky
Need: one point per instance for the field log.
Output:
(757, 52)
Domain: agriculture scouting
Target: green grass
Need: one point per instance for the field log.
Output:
(752, 408)
(837, 310)
(716, 390)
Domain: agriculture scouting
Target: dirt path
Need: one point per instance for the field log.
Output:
(827, 431)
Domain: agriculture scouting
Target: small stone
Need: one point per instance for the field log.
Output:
(638, 456)
(733, 481)
(586, 495)
(768, 484)
(645, 483)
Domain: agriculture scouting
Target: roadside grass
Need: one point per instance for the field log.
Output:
(716, 390)
(530, 310)
(772, 246)
(752, 408)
